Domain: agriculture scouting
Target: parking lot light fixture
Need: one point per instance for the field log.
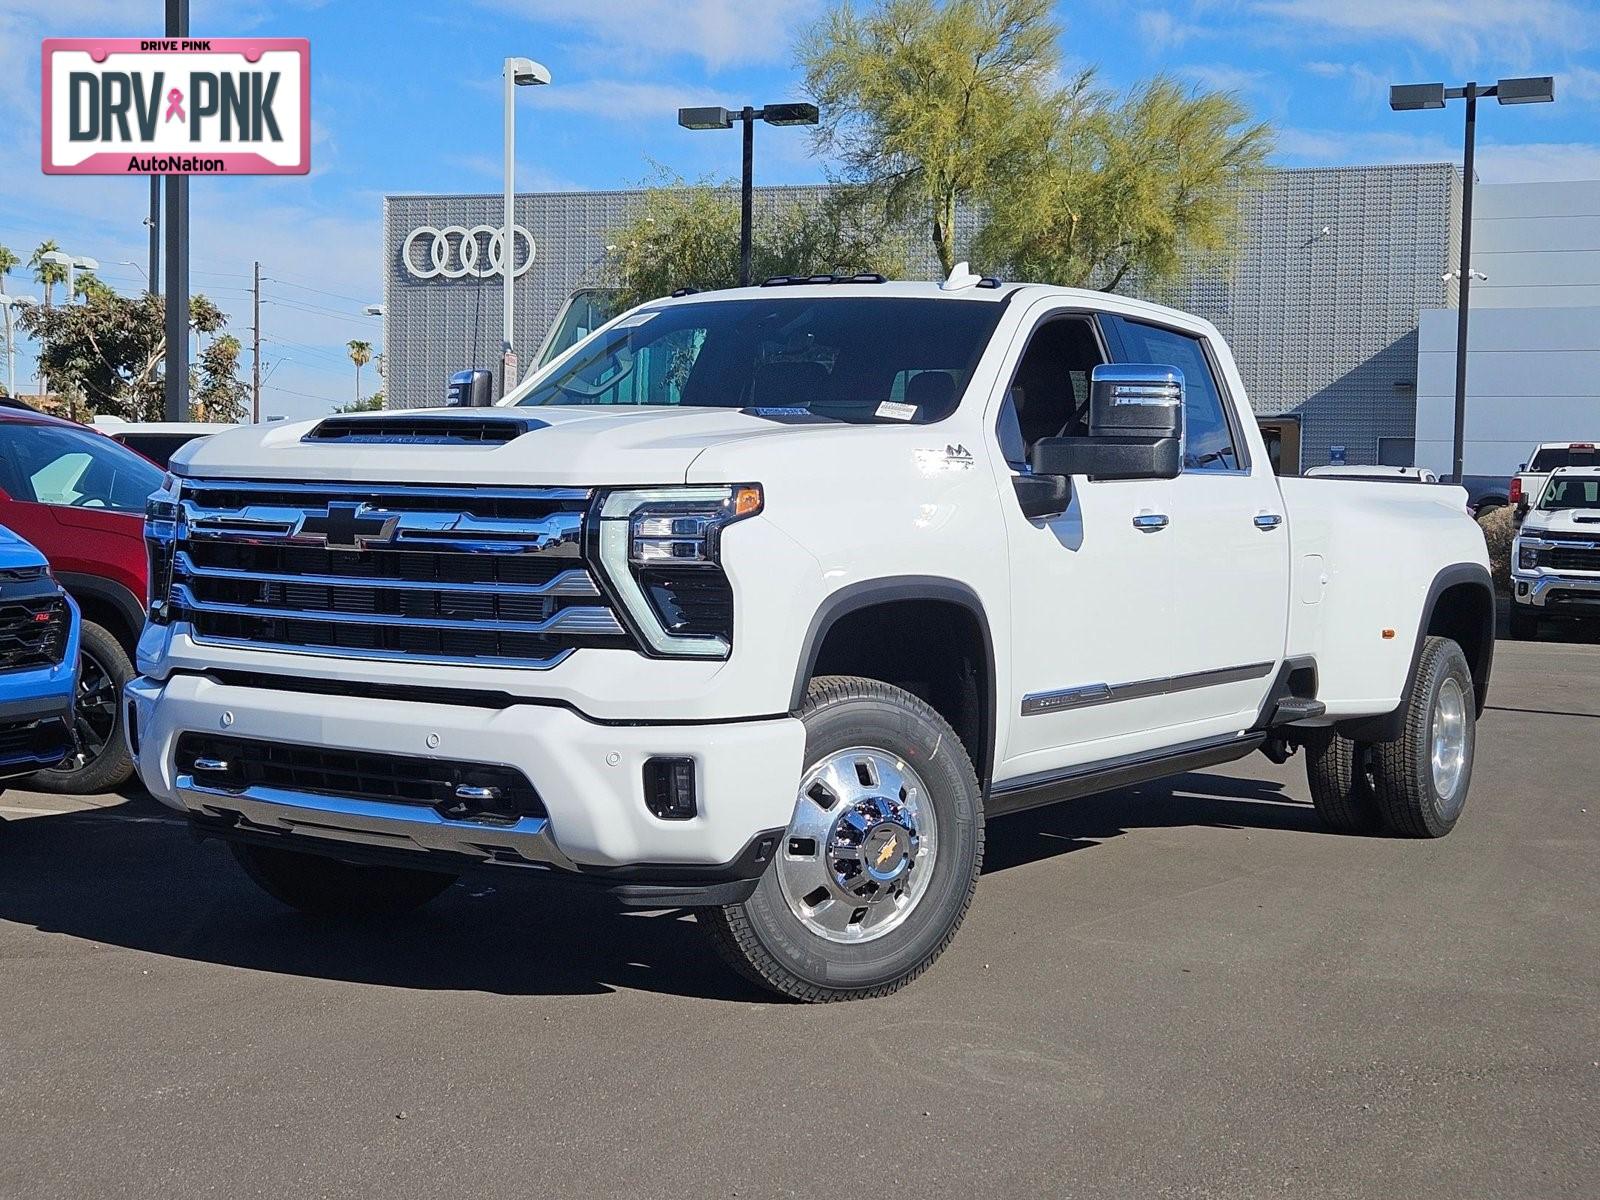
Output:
(517, 72)
(722, 118)
(1414, 97)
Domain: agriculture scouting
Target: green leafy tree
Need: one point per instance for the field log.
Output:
(687, 235)
(216, 392)
(47, 274)
(90, 286)
(933, 104)
(372, 403)
(109, 353)
(1127, 189)
(9, 262)
(361, 355)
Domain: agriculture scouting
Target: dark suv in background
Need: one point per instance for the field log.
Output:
(79, 497)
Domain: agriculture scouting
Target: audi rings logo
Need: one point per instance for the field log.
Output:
(456, 252)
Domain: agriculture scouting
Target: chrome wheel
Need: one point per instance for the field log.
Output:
(1449, 744)
(861, 846)
(95, 714)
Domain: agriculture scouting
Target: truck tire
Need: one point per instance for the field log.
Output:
(1339, 772)
(1421, 777)
(103, 762)
(326, 887)
(880, 860)
(1524, 625)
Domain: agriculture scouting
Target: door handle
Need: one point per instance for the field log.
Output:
(1267, 522)
(1149, 522)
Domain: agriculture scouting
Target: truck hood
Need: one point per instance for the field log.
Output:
(15, 553)
(1563, 520)
(566, 447)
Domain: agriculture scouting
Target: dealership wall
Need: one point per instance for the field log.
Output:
(1533, 344)
(1320, 303)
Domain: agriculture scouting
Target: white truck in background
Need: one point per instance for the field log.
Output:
(764, 601)
(1555, 557)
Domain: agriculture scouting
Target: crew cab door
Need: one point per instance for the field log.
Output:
(1091, 592)
(1224, 548)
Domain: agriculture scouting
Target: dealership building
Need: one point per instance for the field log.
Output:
(1323, 302)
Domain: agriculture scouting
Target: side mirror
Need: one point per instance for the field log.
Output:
(470, 389)
(1135, 427)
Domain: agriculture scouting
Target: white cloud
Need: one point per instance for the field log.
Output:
(1463, 28)
(1161, 31)
(635, 34)
(1222, 78)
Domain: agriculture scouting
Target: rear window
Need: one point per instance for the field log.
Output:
(878, 359)
(1563, 456)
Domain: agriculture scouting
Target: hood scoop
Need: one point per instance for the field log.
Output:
(443, 430)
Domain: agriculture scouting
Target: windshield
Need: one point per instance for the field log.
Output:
(73, 468)
(1563, 456)
(864, 359)
(1571, 493)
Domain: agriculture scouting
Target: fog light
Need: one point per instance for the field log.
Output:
(669, 788)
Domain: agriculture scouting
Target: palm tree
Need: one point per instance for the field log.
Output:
(47, 273)
(361, 355)
(9, 262)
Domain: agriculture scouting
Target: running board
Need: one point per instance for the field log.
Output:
(1036, 791)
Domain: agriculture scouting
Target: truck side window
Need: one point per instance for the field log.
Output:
(1049, 394)
(1208, 438)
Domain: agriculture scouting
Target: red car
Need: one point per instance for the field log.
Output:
(79, 497)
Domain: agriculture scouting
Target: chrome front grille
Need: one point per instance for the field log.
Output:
(446, 574)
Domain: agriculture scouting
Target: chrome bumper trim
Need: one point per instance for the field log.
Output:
(529, 842)
(1540, 586)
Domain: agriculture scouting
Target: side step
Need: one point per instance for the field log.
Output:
(1292, 708)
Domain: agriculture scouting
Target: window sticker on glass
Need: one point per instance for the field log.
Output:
(898, 412)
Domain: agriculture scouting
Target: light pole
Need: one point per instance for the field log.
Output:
(8, 303)
(1411, 97)
(73, 265)
(721, 118)
(518, 72)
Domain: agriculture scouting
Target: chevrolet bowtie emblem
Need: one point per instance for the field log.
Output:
(348, 527)
(888, 850)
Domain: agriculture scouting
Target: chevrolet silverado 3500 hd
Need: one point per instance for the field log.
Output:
(762, 601)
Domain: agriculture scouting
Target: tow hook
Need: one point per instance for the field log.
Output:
(1278, 748)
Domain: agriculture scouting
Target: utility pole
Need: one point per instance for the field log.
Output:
(255, 348)
(154, 221)
(1470, 94)
(176, 392)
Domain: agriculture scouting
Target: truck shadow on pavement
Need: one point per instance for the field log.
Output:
(133, 876)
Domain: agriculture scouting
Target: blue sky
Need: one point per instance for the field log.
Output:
(405, 99)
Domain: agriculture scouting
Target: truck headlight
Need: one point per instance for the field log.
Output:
(660, 549)
(161, 513)
(1527, 556)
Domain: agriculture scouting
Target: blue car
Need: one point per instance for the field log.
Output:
(38, 662)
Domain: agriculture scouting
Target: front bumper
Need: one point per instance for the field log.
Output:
(36, 725)
(1550, 592)
(589, 777)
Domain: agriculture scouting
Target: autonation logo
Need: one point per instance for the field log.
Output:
(190, 106)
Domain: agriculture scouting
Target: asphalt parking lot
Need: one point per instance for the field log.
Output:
(1186, 989)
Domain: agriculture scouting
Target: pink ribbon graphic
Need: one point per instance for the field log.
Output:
(174, 106)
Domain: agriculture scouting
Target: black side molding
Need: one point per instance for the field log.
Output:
(1036, 791)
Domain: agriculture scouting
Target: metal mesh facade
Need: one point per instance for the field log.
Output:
(1320, 304)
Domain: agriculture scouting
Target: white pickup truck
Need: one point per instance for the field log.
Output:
(1555, 557)
(763, 601)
